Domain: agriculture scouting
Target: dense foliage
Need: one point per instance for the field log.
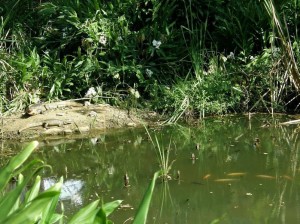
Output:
(187, 58)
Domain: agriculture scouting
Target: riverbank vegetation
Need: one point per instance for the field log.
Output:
(183, 58)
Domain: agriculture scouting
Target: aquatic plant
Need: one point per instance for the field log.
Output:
(163, 157)
(39, 207)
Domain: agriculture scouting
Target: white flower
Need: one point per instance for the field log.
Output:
(90, 93)
(103, 40)
(149, 72)
(134, 93)
(116, 76)
(231, 55)
(156, 43)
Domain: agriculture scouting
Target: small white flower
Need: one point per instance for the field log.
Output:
(149, 72)
(103, 40)
(156, 43)
(230, 56)
(116, 76)
(134, 93)
(64, 33)
(90, 93)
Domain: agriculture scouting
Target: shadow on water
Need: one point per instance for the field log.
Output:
(228, 170)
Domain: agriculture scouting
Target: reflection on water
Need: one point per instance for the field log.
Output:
(71, 189)
(229, 169)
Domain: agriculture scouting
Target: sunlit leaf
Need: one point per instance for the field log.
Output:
(49, 211)
(141, 215)
(86, 214)
(8, 201)
(111, 206)
(15, 163)
(34, 190)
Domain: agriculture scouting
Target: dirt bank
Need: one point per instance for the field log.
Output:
(84, 120)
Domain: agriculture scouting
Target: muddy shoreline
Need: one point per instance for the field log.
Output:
(85, 121)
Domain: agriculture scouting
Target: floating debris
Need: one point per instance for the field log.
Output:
(256, 143)
(266, 124)
(228, 159)
(178, 175)
(265, 176)
(238, 137)
(237, 174)
(126, 206)
(226, 180)
(290, 122)
(193, 157)
(126, 180)
(287, 177)
(249, 194)
(206, 176)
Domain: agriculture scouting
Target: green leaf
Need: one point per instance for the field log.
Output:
(86, 214)
(33, 212)
(15, 163)
(141, 215)
(8, 201)
(109, 207)
(17, 202)
(101, 217)
(34, 190)
(55, 218)
(49, 211)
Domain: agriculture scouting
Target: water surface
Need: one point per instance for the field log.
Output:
(243, 171)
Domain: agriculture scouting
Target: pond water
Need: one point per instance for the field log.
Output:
(232, 170)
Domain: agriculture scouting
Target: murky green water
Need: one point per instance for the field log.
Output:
(242, 172)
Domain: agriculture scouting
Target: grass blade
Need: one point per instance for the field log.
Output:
(141, 215)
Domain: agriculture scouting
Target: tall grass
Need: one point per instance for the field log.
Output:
(281, 31)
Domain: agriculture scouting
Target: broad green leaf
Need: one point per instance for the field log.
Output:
(15, 163)
(54, 190)
(29, 165)
(34, 190)
(55, 218)
(109, 207)
(17, 203)
(33, 212)
(141, 215)
(101, 217)
(49, 211)
(86, 214)
(8, 200)
(19, 159)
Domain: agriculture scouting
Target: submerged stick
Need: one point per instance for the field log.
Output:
(291, 122)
